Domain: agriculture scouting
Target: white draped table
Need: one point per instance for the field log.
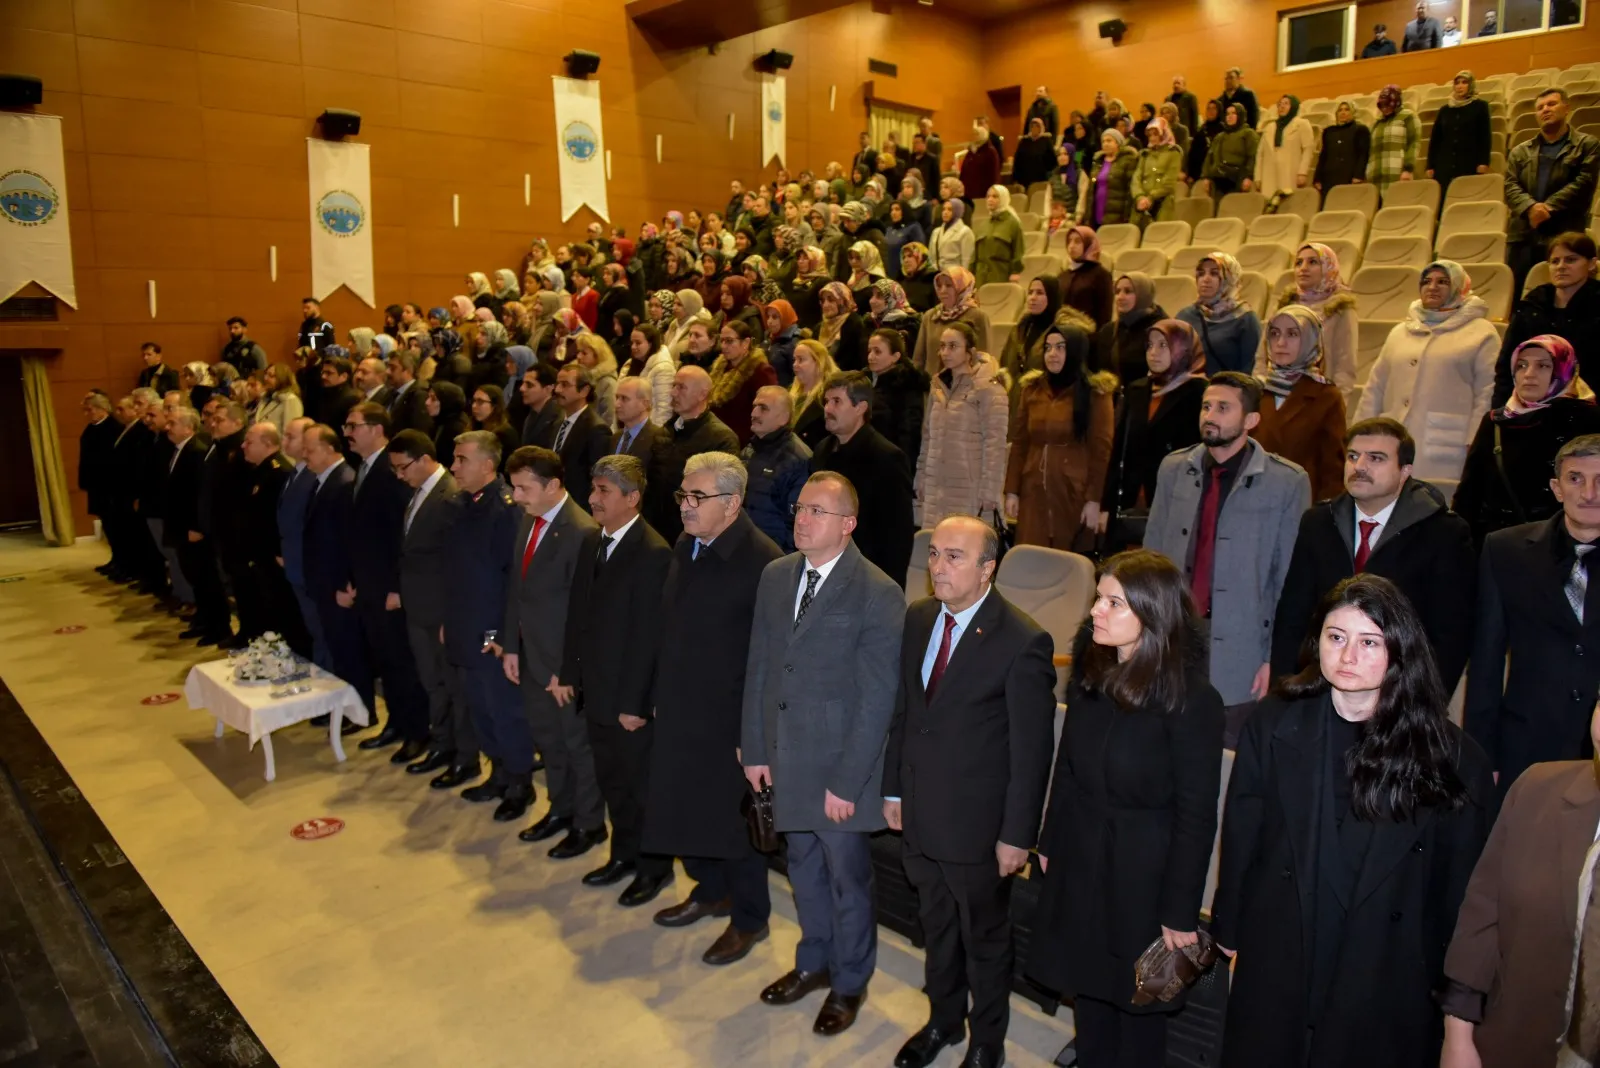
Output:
(253, 710)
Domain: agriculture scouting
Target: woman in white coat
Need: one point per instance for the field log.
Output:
(652, 361)
(952, 242)
(1436, 371)
(1283, 155)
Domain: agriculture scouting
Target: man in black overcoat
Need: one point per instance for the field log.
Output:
(329, 568)
(696, 779)
(692, 430)
(275, 607)
(875, 466)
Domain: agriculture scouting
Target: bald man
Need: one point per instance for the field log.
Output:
(691, 431)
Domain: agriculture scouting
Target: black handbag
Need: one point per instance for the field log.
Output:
(1005, 532)
(757, 809)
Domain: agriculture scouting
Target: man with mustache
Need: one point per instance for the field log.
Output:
(1390, 524)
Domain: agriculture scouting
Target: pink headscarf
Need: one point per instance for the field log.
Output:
(1159, 126)
(966, 285)
(1563, 375)
(1331, 282)
(570, 321)
(1091, 243)
(461, 308)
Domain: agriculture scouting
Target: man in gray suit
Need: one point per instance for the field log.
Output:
(426, 546)
(556, 538)
(819, 695)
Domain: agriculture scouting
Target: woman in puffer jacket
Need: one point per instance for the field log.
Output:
(962, 466)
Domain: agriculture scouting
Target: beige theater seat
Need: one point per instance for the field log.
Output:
(1242, 206)
(1195, 210)
(1475, 247)
(1362, 198)
(1227, 234)
(1341, 225)
(1267, 260)
(1414, 252)
(1167, 236)
(1001, 300)
(1150, 261)
(1041, 263)
(1174, 291)
(1491, 283)
(1422, 191)
(1475, 187)
(1116, 238)
(1280, 229)
(918, 584)
(1055, 588)
(1384, 292)
(1478, 217)
(1411, 220)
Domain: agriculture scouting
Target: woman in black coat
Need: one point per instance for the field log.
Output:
(1133, 808)
(1460, 143)
(447, 404)
(1356, 812)
(1120, 344)
(1346, 145)
(1506, 479)
(1567, 306)
(899, 392)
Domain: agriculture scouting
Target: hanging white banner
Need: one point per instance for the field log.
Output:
(341, 219)
(35, 245)
(774, 117)
(580, 147)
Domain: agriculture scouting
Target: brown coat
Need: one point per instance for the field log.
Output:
(1052, 473)
(1516, 933)
(1307, 430)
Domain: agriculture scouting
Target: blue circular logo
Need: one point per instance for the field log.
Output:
(340, 213)
(774, 112)
(27, 199)
(580, 141)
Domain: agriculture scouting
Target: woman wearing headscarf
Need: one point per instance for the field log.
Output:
(1155, 179)
(998, 243)
(1105, 189)
(689, 310)
(1085, 282)
(450, 363)
(1506, 480)
(916, 205)
(1230, 155)
(659, 309)
(1200, 140)
(488, 409)
(811, 274)
(541, 336)
(1283, 152)
(1395, 138)
(951, 243)
(903, 230)
(565, 329)
(866, 267)
(447, 404)
(553, 279)
(1035, 155)
(961, 468)
(735, 304)
(784, 264)
(1180, 133)
(824, 220)
(505, 285)
(489, 362)
(756, 271)
(482, 293)
(652, 256)
(1318, 285)
(1064, 176)
(680, 272)
(519, 358)
(888, 307)
(957, 293)
(1568, 306)
(1460, 142)
(841, 329)
(1160, 413)
(464, 321)
(783, 333)
(1060, 440)
(1346, 147)
(1228, 327)
(360, 338)
(1436, 371)
(1024, 348)
(518, 323)
(916, 276)
(1302, 413)
(714, 270)
(1120, 344)
(537, 257)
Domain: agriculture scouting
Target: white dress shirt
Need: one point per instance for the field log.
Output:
(422, 494)
(1382, 519)
(822, 569)
(611, 546)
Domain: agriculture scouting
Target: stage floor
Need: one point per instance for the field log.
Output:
(423, 933)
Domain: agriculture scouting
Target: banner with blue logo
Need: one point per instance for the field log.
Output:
(580, 147)
(35, 245)
(341, 219)
(774, 117)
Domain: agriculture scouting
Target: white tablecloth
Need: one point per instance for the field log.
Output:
(255, 712)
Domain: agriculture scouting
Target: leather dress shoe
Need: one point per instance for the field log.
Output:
(457, 775)
(733, 945)
(491, 789)
(408, 752)
(643, 890)
(838, 1013)
(690, 911)
(610, 873)
(432, 761)
(515, 805)
(235, 643)
(382, 740)
(794, 986)
(984, 1056)
(577, 843)
(348, 726)
(548, 827)
(922, 1048)
(538, 761)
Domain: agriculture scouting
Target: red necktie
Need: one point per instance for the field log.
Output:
(533, 543)
(1364, 550)
(1205, 542)
(941, 661)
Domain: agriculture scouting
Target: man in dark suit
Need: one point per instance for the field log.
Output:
(142, 473)
(608, 665)
(964, 779)
(294, 504)
(181, 531)
(260, 542)
(377, 513)
(1390, 524)
(202, 542)
(538, 389)
(408, 400)
(696, 781)
(692, 431)
(96, 445)
(224, 485)
(425, 591)
(156, 374)
(329, 567)
(369, 381)
(581, 438)
(636, 435)
(876, 466)
(1538, 604)
(555, 539)
(337, 395)
(818, 697)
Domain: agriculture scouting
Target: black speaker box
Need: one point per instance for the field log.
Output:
(581, 63)
(776, 60)
(19, 90)
(1113, 28)
(337, 122)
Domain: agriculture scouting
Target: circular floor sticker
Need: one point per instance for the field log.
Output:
(321, 827)
(72, 628)
(159, 699)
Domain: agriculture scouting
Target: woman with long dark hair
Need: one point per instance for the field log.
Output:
(1356, 811)
(489, 413)
(1133, 808)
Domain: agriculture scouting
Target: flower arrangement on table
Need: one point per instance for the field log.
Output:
(266, 659)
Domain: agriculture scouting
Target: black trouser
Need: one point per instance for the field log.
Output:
(246, 594)
(622, 766)
(279, 607)
(497, 717)
(199, 564)
(1111, 1038)
(450, 728)
(965, 912)
(562, 737)
(341, 627)
(389, 654)
(742, 880)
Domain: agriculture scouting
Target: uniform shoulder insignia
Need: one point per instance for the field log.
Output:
(505, 497)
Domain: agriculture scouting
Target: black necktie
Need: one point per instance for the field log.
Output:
(601, 556)
(813, 576)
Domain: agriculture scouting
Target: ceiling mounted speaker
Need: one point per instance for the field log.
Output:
(337, 123)
(581, 64)
(1113, 29)
(19, 90)
(776, 60)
